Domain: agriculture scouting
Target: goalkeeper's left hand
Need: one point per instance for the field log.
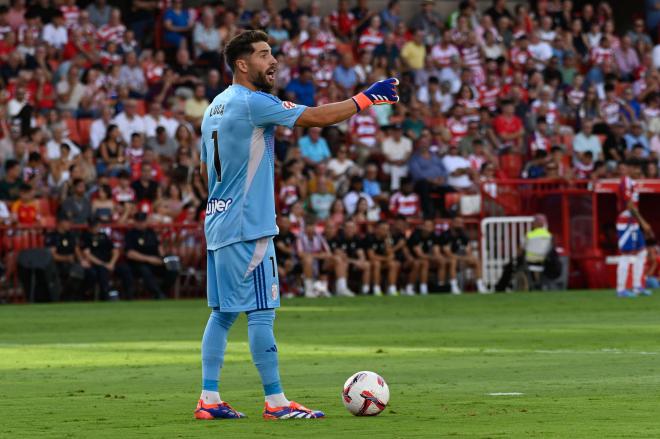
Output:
(381, 92)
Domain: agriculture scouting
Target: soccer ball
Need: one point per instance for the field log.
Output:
(365, 394)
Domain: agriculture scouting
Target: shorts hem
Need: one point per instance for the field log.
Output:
(243, 308)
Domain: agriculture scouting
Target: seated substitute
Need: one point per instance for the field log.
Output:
(454, 243)
(424, 245)
(416, 268)
(317, 261)
(145, 257)
(381, 256)
(288, 263)
(350, 247)
(102, 255)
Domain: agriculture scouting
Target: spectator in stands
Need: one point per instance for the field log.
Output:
(129, 121)
(460, 176)
(405, 203)
(509, 129)
(112, 151)
(382, 258)
(162, 144)
(178, 23)
(371, 185)
(103, 206)
(322, 195)
(302, 89)
(636, 136)
(413, 53)
(99, 128)
(145, 187)
(195, 106)
(102, 256)
(206, 39)
(55, 32)
(145, 258)
(314, 148)
(156, 118)
(345, 75)
(70, 91)
(11, 183)
(25, 210)
(586, 140)
(77, 207)
(397, 150)
(355, 193)
(99, 13)
(131, 76)
(430, 177)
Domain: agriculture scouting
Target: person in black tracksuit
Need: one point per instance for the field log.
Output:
(424, 246)
(348, 244)
(417, 269)
(381, 255)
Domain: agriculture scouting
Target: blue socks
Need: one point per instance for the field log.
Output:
(264, 349)
(262, 346)
(214, 343)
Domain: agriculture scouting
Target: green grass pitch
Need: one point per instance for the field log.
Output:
(586, 363)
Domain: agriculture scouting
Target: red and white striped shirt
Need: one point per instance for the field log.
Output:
(476, 161)
(442, 56)
(551, 111)
(111, 33)
(471, 56)
(406, 205)
(370, 39)
(488, 96)
(575, 97)
(458, 129)
(610, 111)
(153, 72)
(71, 15)
(323, 76)
(519, 57)
(364, 128)
(313, 49)
(582, 170)
(600, 55)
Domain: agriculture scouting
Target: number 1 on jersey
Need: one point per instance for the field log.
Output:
(216, 156)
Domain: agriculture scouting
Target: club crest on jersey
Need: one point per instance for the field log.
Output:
(218, 205)
(288, 105)
(218, 110)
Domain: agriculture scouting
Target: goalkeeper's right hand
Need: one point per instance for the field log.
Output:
(381, 92)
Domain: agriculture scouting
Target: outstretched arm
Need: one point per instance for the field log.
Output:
(381, 92)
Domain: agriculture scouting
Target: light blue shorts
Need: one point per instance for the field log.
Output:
(243, 276)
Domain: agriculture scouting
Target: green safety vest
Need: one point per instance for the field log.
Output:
(537, 244)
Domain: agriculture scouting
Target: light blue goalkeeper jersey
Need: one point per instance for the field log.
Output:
(237, 146)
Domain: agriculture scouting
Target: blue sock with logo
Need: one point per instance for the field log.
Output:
(264, 349)
(214, 343)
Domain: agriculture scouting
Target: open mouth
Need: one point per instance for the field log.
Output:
(270, 74)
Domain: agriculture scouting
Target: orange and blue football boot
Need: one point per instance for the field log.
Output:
(292, 411)
(216, 411)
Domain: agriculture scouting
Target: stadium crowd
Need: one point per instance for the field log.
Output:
(100, 112)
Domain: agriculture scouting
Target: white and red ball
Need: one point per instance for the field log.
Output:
(365, 394)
